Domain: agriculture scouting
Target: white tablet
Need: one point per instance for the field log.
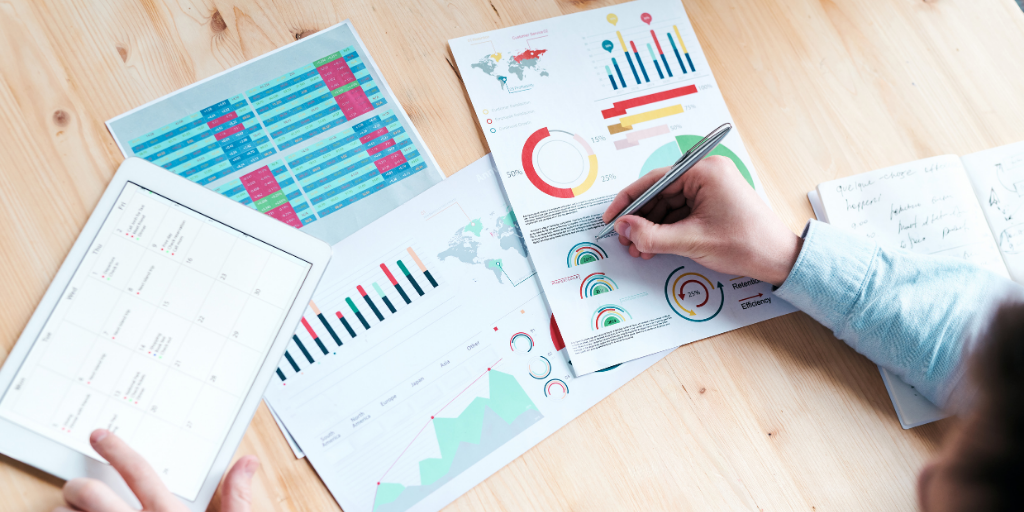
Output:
(164, 325)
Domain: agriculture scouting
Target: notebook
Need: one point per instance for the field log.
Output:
(969, 207)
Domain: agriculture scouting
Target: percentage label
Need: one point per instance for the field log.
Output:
(689, 107)
(675, 127)
(607, 177)
(599, 138)
(705, 87)
(513, 173)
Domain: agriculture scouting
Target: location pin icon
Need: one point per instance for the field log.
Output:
(613, 19)
(646, 18)
(607, 45)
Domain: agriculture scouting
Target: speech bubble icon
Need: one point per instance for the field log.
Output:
(646, 18)
(613, 19)
(607, 45)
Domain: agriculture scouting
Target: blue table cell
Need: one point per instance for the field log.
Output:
(190, 156)
(203, 166)
(282, 86)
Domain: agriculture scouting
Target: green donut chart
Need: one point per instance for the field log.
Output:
(668, 154)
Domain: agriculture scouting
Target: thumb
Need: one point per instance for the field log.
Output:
(653, 238)
(237, 492)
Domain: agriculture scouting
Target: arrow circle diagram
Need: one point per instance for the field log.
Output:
(693, 296)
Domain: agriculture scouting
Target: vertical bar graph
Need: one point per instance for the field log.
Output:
(394, 282)
(352, 306)
(618, 72)
(387, 302)
(291, 361)
(676, 50)
(664, 61)
(313, 335)
(351, 332)
(639, 62)
(654, 59)
(682, 45)
(611, 78)
(629, 59)
(405, 271)
(280, 375)
(423, 268)
(302, 347)
(369, 302)
(323, 320)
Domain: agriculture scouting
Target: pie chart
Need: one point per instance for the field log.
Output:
(559, 163)
(668, 154)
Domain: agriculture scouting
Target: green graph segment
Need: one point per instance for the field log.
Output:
(668, 154)
(507, 399)
(474, 226)
(386, 493)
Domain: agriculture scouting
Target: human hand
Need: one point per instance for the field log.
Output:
(712, 216)
(89, 495)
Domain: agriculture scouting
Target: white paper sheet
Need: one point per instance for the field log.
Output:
(571, 119)
(437, 395)
(998, 179)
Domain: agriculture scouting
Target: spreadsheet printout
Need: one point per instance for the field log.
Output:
(309, 134)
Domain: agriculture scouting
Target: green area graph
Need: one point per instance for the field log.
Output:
(484, 426)
(668, 154)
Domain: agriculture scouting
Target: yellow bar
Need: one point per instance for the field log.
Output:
(415, 258)
(617, 128)
(316, 310)
(682, 45)
(621, 41)
(629, 121)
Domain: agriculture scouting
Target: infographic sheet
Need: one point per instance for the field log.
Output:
(575, 108)
(428, 359)
(309, 134)
(158, 337)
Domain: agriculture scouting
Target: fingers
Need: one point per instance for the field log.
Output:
(90, 495)
(237, 491)
(137, 473)
(631, 192)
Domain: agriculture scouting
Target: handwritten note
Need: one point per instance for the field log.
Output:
(927, 206)
(998, 179)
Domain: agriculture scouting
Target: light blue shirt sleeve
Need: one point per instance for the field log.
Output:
(916, 315)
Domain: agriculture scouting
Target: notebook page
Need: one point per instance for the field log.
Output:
(998, 178)
(926, 206)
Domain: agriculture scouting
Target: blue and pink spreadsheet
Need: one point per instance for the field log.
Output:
(323, 147)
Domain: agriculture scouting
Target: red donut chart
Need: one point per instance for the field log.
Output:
(531, 171)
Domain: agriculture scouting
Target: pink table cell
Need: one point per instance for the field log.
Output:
(354, 103)
(230, 131)
(389, 162)
(260, 183)
(285, 213)
(381, 147)
(222, 119)
(373, 135)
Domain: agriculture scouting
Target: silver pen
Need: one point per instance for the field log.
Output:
(685, 162)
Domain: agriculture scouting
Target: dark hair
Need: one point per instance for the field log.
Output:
(990, 458)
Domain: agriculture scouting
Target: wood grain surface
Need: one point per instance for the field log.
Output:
(777, 416)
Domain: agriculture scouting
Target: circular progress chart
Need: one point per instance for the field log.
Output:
(693, 296)
(559, 163)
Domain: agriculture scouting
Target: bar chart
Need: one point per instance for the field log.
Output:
(358, 305)
(647, 68)
(207, 145)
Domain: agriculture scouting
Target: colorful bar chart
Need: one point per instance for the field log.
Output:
(313, 335)
(344, 322)
(639, 61)
(316, 97)
(207, 145)
(619, 108)
(352, 306)
(629, 59)
(356, 162)
(654, 59)
(394, 282)
(327, 325)
(271, 190)
(369, 302)
(611, 78)
(423, 268)
(682, 46)
(302, 348)
(384, 297)
(661, 53)
(411, 279)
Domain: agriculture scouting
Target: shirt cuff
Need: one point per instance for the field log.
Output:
(829, 274)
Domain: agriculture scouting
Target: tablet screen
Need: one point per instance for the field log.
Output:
(158, 337)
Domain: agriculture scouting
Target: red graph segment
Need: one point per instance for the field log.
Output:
(531, 171)
(619, 107)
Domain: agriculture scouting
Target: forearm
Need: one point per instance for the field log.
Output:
(916, 315)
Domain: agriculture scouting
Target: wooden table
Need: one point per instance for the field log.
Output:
(777, 416)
